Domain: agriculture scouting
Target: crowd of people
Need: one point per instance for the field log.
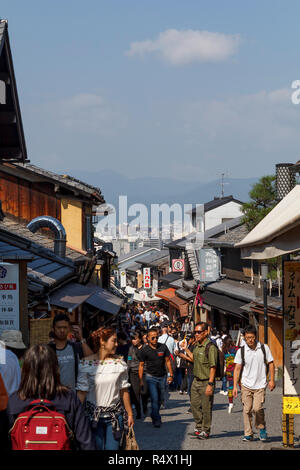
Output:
(101, 384)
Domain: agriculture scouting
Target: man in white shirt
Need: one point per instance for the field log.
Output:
(251, 361)
(166, 339)
(9, 366)
(147, 314)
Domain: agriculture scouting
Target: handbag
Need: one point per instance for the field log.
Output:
(131, 443)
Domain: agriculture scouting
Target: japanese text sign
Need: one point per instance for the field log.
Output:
(9, 296)
(291, 382)
(147, 278)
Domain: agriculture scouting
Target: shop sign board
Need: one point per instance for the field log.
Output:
(9, 297)
(178, 265)
(209, 265)
(147, 278)
(291, 332)
(122, 279)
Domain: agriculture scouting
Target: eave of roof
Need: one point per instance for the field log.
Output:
(64, 180)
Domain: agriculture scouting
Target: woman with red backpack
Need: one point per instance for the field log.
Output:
(44, 414)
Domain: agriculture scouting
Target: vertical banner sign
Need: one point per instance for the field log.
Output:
(122, 279)
(9, 297)
(147, 279)
(291, 382)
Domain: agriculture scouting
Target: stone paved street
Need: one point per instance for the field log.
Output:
(227, 429)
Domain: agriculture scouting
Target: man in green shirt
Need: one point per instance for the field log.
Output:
(205, 360)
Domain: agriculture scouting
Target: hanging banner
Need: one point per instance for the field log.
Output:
(291, 309)
(122, 279)
(147, 278)
(9, 297)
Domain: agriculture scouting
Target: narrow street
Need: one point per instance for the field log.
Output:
(227, 429)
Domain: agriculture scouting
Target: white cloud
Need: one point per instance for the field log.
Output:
(246, 134)
(87, 113)
(188, 46)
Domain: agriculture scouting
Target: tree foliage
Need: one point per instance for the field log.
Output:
(262, 201)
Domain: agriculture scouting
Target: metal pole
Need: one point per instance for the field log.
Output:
(265, 312)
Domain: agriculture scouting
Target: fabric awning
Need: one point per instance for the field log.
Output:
(105, 301)
(170, 296)
(71, 296)
(278, 233)
(224, 303)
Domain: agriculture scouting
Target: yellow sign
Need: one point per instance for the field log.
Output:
(291, 405)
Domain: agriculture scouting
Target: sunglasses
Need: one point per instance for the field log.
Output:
(198, 332)
(153, 337)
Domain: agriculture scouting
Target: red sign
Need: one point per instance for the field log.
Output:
(147, 278)
(178, 265)
(8, 286)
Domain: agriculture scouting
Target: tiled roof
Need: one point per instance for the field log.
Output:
(234, 235)
(44, 268)
(133, 253)
(21, 230)
(65, 180)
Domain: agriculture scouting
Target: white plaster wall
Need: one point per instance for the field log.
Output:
(214, 217)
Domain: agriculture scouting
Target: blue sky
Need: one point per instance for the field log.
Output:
(179, 89)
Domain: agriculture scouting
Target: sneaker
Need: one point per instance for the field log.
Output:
(221, 392)
(248, 438)
(230, 407)
(203, 435)
(225, 393)
(181, 392)
(263, 435)
(197, 433)
(185, 393)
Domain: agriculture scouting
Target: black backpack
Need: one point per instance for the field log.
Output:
(220, 359)
(243, 360)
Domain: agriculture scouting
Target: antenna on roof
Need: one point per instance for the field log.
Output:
(222, 184)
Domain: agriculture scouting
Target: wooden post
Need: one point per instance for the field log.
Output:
(291, 430)
(284, 430)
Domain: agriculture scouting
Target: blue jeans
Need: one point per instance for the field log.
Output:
(156, 388)
(224, 383)
(104, 436)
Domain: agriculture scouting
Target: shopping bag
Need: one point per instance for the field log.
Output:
(131, 443)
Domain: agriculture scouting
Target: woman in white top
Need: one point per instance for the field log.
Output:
(102, 385)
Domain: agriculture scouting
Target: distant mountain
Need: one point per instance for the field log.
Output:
(150, 190)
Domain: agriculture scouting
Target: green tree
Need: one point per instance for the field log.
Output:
(262, 200)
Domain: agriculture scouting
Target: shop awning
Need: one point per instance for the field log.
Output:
(169, 296)
(278, 233)
(224, 304)
(72, 295)
(105, 301)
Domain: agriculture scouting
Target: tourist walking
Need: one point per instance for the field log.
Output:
(68, 352)
(205, 359)
(229, 351)
(133, 363)
(40, 380)
(252, 364)
(103, 387)
(156, 358)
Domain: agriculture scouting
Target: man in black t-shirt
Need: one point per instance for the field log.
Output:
(156, 357)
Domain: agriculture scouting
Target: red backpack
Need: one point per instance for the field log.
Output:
(41, 428)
